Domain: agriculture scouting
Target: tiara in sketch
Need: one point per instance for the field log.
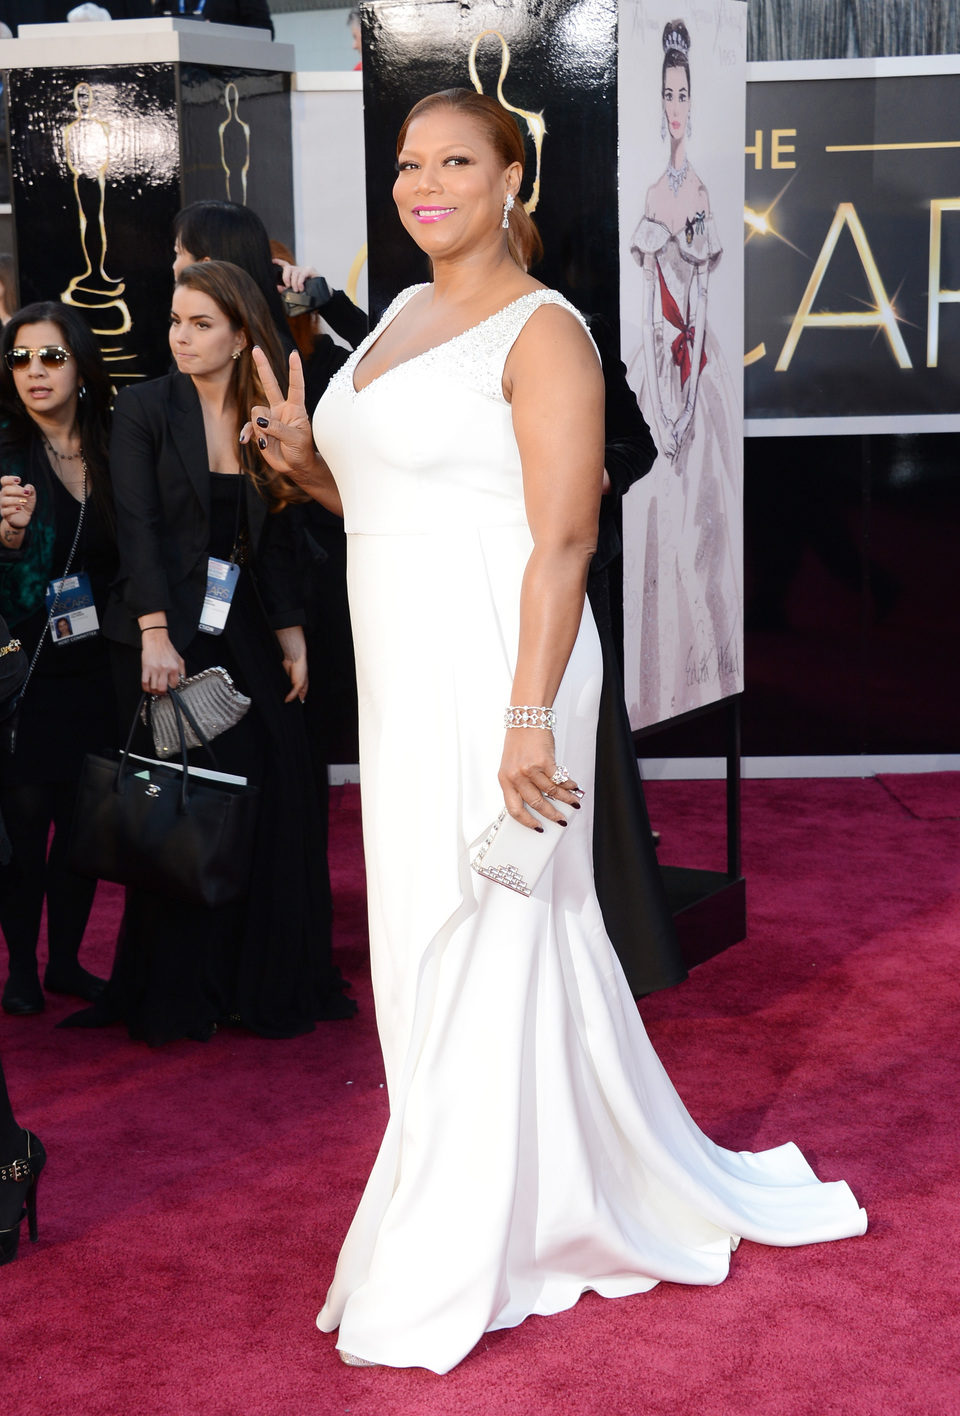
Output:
(676, 39)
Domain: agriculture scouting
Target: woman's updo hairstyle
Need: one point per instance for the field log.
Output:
(676, 49)
(503, 134)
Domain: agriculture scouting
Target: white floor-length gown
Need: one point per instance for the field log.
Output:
(536, 1148)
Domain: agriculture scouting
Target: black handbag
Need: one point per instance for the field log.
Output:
(155, 826)
(13, 671)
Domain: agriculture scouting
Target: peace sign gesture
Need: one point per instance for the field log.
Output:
(284, 436)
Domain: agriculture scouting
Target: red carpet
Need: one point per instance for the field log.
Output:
(931, 796)
(195, 1196)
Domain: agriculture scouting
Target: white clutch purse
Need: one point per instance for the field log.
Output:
(512, 855)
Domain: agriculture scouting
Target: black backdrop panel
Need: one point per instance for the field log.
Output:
(236, 142)
(562, 64)
(95, 175)
(852, 589)
(835, 371)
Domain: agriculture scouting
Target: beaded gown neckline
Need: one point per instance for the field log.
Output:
(364, 349)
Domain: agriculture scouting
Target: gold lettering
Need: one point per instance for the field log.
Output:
(882, 316)
(935, 295)
(778, 146)
(757, 150)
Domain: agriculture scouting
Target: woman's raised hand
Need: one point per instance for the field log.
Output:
(294, 277)
(282, 429)
(17, 503)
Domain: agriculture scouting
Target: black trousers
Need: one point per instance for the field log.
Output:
(39, 871)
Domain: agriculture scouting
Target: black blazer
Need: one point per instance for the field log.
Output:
(629, 450)
(161, 488)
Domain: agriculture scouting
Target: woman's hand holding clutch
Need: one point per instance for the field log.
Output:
(161, 667)
(528, 776)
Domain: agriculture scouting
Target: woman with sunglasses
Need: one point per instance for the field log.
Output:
(55, 516)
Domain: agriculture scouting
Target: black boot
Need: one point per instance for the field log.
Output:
(18, 1196)
(22, 993)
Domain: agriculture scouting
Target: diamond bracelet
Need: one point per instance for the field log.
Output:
(525, 716)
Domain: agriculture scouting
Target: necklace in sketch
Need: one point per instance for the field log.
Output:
(677, 175)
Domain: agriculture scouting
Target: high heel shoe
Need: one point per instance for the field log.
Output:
(74, 981)
(18, 1197)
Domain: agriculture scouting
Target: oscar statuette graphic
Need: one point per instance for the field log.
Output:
(234, 135)
(536, 126)
(86, 144)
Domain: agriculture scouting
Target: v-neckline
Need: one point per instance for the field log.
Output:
(423, 352)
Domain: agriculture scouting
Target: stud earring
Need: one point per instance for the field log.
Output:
(689, 127)
(507, 209)
(663, 127)
(237, 353)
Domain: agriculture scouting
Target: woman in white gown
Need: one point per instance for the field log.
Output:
(535, 1146)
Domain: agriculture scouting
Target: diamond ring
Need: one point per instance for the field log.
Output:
(560, 775)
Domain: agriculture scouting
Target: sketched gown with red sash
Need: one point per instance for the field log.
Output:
(692, 594)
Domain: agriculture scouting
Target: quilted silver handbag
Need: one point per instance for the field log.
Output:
(212, 700)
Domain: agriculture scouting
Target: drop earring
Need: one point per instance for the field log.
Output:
(663, 127)
(689, 127)
(507, 209)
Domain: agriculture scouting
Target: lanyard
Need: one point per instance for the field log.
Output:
(197, 9)
(53, 609)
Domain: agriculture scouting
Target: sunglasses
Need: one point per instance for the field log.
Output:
(51, 356)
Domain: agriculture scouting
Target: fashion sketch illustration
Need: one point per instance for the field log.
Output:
(691, 612)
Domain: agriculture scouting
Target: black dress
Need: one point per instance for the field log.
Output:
(67, 711)
(263, 963)
(633, 900)
(332, 714)
(68, 707)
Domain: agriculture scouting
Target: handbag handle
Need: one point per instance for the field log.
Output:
(180, 710)
(181, 704)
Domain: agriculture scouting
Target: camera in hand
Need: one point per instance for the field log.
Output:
(315, 294)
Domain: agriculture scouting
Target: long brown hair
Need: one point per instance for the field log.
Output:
(503, 134)
(242, 302)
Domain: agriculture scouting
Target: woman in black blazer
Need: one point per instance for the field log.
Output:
(183, 494)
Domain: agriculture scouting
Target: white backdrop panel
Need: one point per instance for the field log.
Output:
(328, 178)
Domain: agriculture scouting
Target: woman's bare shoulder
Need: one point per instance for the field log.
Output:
(553, 339)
